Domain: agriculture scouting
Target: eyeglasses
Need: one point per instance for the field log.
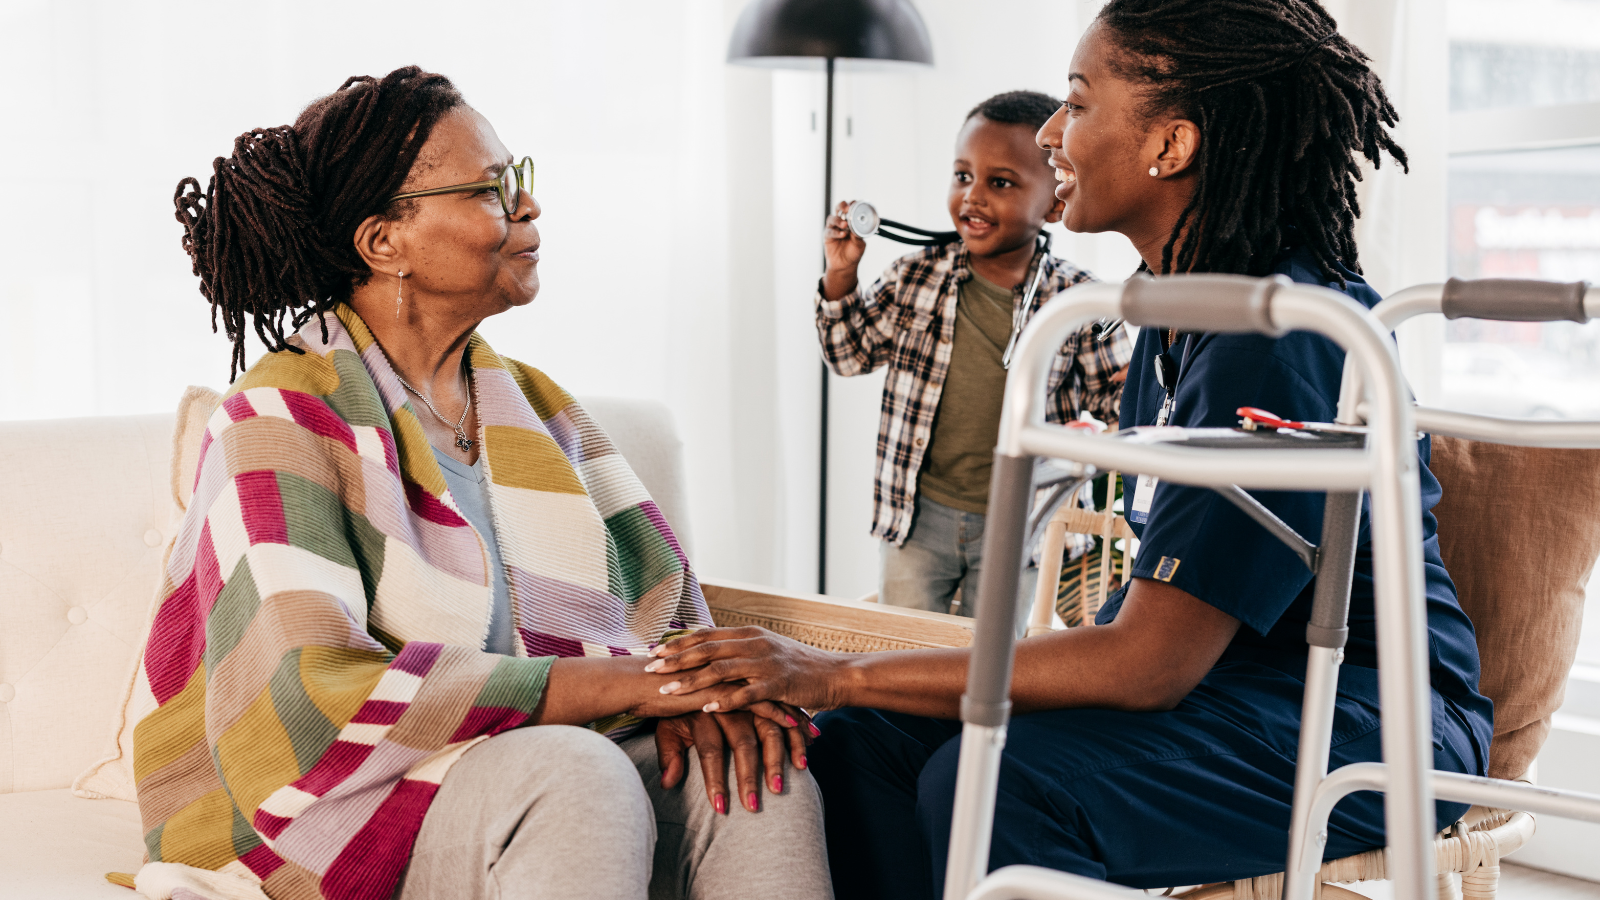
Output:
(509, 184)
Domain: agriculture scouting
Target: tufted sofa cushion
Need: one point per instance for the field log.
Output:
(88, 693)
(85, 514)
(87, 509)
(111, 777)
(647, 437)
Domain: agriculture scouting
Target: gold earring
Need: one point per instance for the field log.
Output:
(400, 297)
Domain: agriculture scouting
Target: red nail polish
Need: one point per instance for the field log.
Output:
(720, 804)
(755, 802)
(777, 784)
(802, 760)
(815, 731)
(791, 721)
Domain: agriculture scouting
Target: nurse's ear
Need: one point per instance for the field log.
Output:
(1170, 147)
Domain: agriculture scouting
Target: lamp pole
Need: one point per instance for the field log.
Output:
(822, 427)
(789, 34)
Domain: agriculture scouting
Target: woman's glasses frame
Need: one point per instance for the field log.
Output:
(521, 172)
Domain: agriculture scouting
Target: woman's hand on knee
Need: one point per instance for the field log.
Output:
(757, 746)
(771, 668)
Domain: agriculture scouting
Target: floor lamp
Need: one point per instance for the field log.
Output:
(798, 34)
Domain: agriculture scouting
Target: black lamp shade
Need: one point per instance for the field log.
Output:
(795, 33)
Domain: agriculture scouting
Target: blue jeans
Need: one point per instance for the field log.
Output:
(943, 553)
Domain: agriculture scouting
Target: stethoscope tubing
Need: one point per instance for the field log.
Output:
(862, 219)
(927, 238)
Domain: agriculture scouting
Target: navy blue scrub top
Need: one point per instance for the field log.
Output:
(1215, 552)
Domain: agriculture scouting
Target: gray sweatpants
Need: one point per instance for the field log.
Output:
(560, 812)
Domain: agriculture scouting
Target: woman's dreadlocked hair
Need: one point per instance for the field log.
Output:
(1283, 103)
(272, 236)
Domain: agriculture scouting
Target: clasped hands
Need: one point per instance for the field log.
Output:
(748, 689)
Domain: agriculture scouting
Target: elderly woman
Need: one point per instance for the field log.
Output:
(1159, 748)
(412, 565)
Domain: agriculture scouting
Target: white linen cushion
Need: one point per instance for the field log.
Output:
(85, 511)
(111, 777)
(642, 431)
(60, 847)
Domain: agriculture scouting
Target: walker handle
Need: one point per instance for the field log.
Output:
(1514, 300)
(1199, 303)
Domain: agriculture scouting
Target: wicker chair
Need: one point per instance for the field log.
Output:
(1472, 847)
(833, 623)
(1501, 550)
(1075, 589)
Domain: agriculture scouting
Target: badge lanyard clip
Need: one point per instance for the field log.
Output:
(1169, 370)
(1168, 373)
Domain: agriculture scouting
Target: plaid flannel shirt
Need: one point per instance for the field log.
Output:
(907, 320)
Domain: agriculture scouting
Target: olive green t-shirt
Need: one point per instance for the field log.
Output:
(955, 471)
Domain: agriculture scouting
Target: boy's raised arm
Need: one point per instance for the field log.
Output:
(855, 328)
(842, 249)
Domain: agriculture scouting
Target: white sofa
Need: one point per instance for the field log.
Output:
(86, 511)
(87, 508)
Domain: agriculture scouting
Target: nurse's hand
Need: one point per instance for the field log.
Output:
(662, 697)
(771, 668)
(758, 748)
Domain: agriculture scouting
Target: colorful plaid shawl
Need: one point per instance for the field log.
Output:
(316, 654)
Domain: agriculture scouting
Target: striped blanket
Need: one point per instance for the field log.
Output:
(317, 651)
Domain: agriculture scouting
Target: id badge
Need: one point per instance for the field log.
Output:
(1143, 494)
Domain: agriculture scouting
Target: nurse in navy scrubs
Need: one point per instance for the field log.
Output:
(1158, 749)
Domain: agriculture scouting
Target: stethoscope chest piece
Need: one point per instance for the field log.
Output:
(863, 218)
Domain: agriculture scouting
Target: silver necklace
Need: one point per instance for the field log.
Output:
(462, 441)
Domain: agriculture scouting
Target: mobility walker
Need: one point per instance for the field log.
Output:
(1369, 448)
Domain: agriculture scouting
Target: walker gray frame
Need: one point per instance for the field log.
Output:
(1373, 391)
(1317, 790)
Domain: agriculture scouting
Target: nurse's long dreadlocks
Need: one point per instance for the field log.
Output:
(272, 237)
(1283, 102)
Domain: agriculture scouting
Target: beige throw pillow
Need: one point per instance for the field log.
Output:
(1519, 529)
(112, 777)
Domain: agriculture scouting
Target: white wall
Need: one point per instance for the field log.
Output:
(897, 155)
(1402, 228)
(654, 170)
(682, 203)
(901, 125)
(681, 195)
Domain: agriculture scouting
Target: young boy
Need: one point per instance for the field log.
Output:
(941, 319)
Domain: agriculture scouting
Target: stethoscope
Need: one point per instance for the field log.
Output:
(865, 222)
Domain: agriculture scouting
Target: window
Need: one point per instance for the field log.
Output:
(1524, 214)
(1524, 202)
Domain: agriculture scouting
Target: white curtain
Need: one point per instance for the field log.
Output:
(1402, 230)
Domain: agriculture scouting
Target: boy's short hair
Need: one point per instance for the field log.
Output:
(1029, 108)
